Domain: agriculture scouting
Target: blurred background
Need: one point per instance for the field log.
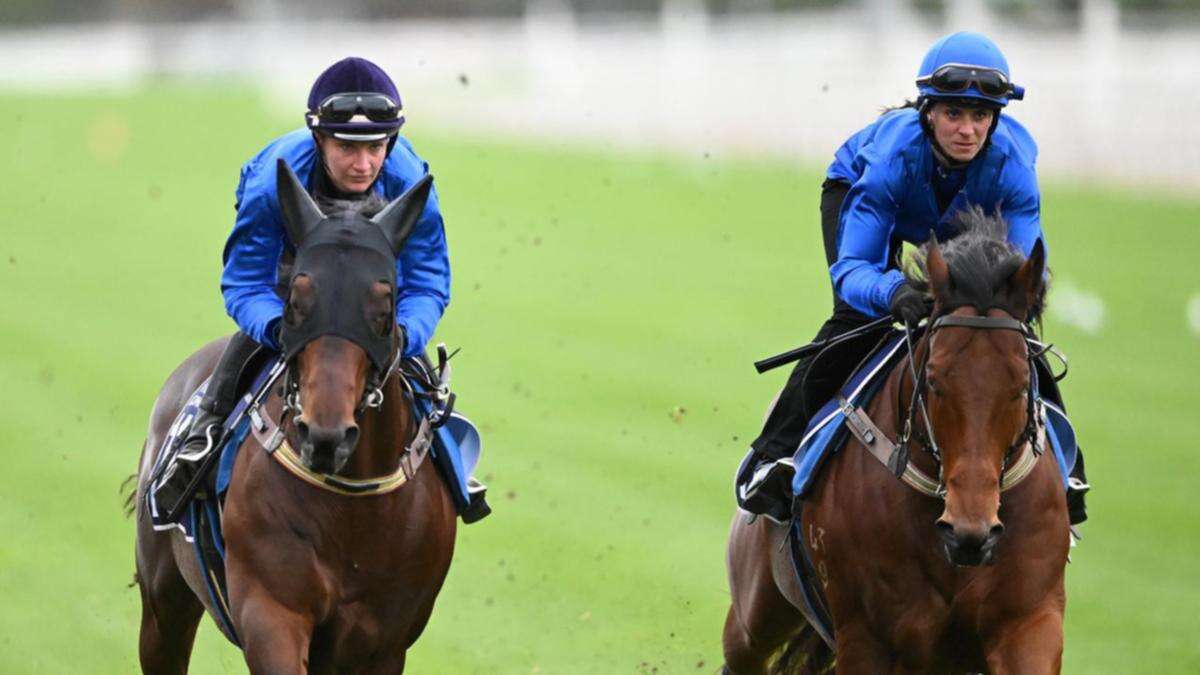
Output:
(630, 191)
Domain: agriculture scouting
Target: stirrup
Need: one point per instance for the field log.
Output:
(1076, 485)
(212, 437)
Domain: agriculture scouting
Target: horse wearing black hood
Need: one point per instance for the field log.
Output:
(338, 536)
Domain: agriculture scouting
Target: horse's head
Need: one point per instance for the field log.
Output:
(977, 376)
(339, 325)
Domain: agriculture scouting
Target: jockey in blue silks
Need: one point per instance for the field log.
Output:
(905, 176)
(351, 150)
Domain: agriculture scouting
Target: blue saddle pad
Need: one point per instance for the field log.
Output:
(827, 429)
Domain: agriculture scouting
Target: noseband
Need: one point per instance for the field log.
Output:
(1012, 469)
(372, 396)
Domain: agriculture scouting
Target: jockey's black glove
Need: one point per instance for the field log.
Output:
(909, 305)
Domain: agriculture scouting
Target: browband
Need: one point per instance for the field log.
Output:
(987, 322)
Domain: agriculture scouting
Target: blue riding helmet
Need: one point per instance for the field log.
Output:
(967, 67)
(354, 100)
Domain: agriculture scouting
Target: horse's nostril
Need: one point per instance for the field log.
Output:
(351, 437)
(302, 429)
(997, 530)
(944, 527)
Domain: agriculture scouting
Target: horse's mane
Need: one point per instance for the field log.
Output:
(980, 259)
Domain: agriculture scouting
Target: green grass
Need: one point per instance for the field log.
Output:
(593, 294)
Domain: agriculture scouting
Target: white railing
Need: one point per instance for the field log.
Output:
(1104, 101)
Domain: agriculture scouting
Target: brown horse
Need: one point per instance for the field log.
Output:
(320, 581)
(920, 582)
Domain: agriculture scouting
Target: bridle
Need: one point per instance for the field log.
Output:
(372, 396)
(928, 442)
(273, 438)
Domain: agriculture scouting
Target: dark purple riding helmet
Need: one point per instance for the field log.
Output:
(343, 83)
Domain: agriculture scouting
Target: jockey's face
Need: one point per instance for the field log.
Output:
(352, 165)
(960, 131)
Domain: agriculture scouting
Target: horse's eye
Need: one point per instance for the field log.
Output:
(292, 313)
(383, 321)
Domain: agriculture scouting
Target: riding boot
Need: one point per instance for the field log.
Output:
(477, 508)
(813, 382)
(1077, 483)
(204, 434)
(183, 479)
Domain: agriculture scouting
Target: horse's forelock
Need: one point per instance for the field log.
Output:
(981, 262)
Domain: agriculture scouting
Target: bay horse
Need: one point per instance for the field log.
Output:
(320, 580)
(964, 576)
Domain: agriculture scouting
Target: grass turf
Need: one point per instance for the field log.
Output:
(608, 307)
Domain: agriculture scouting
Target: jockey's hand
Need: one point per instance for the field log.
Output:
(909, 305)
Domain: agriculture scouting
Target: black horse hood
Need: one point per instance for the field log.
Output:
(344, 257)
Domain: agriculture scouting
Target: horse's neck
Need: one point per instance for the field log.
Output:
(384, 433)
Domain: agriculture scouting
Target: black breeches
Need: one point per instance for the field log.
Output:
(221, 396)
(816, 379)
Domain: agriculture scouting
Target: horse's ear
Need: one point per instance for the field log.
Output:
(398, 218)
(300, 213)
(1025, 285)
(938, 272)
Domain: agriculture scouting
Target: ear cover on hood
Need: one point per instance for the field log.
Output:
(398, 218)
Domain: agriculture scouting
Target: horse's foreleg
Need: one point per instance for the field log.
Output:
(1033, 645)
(275, 639)
(861, 652)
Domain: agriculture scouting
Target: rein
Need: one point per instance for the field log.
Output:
(895, 456)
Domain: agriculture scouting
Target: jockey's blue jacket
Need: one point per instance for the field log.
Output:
(252, 252)
(889, 166)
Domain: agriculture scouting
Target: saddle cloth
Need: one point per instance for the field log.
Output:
(455, 452)
(827, 431)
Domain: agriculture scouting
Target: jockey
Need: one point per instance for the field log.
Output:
(915, 166)
(350, 151)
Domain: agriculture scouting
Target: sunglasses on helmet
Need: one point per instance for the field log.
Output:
(954, 78)
(340, 108)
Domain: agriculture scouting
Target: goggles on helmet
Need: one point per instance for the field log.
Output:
(341, 108)
(955, 78)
